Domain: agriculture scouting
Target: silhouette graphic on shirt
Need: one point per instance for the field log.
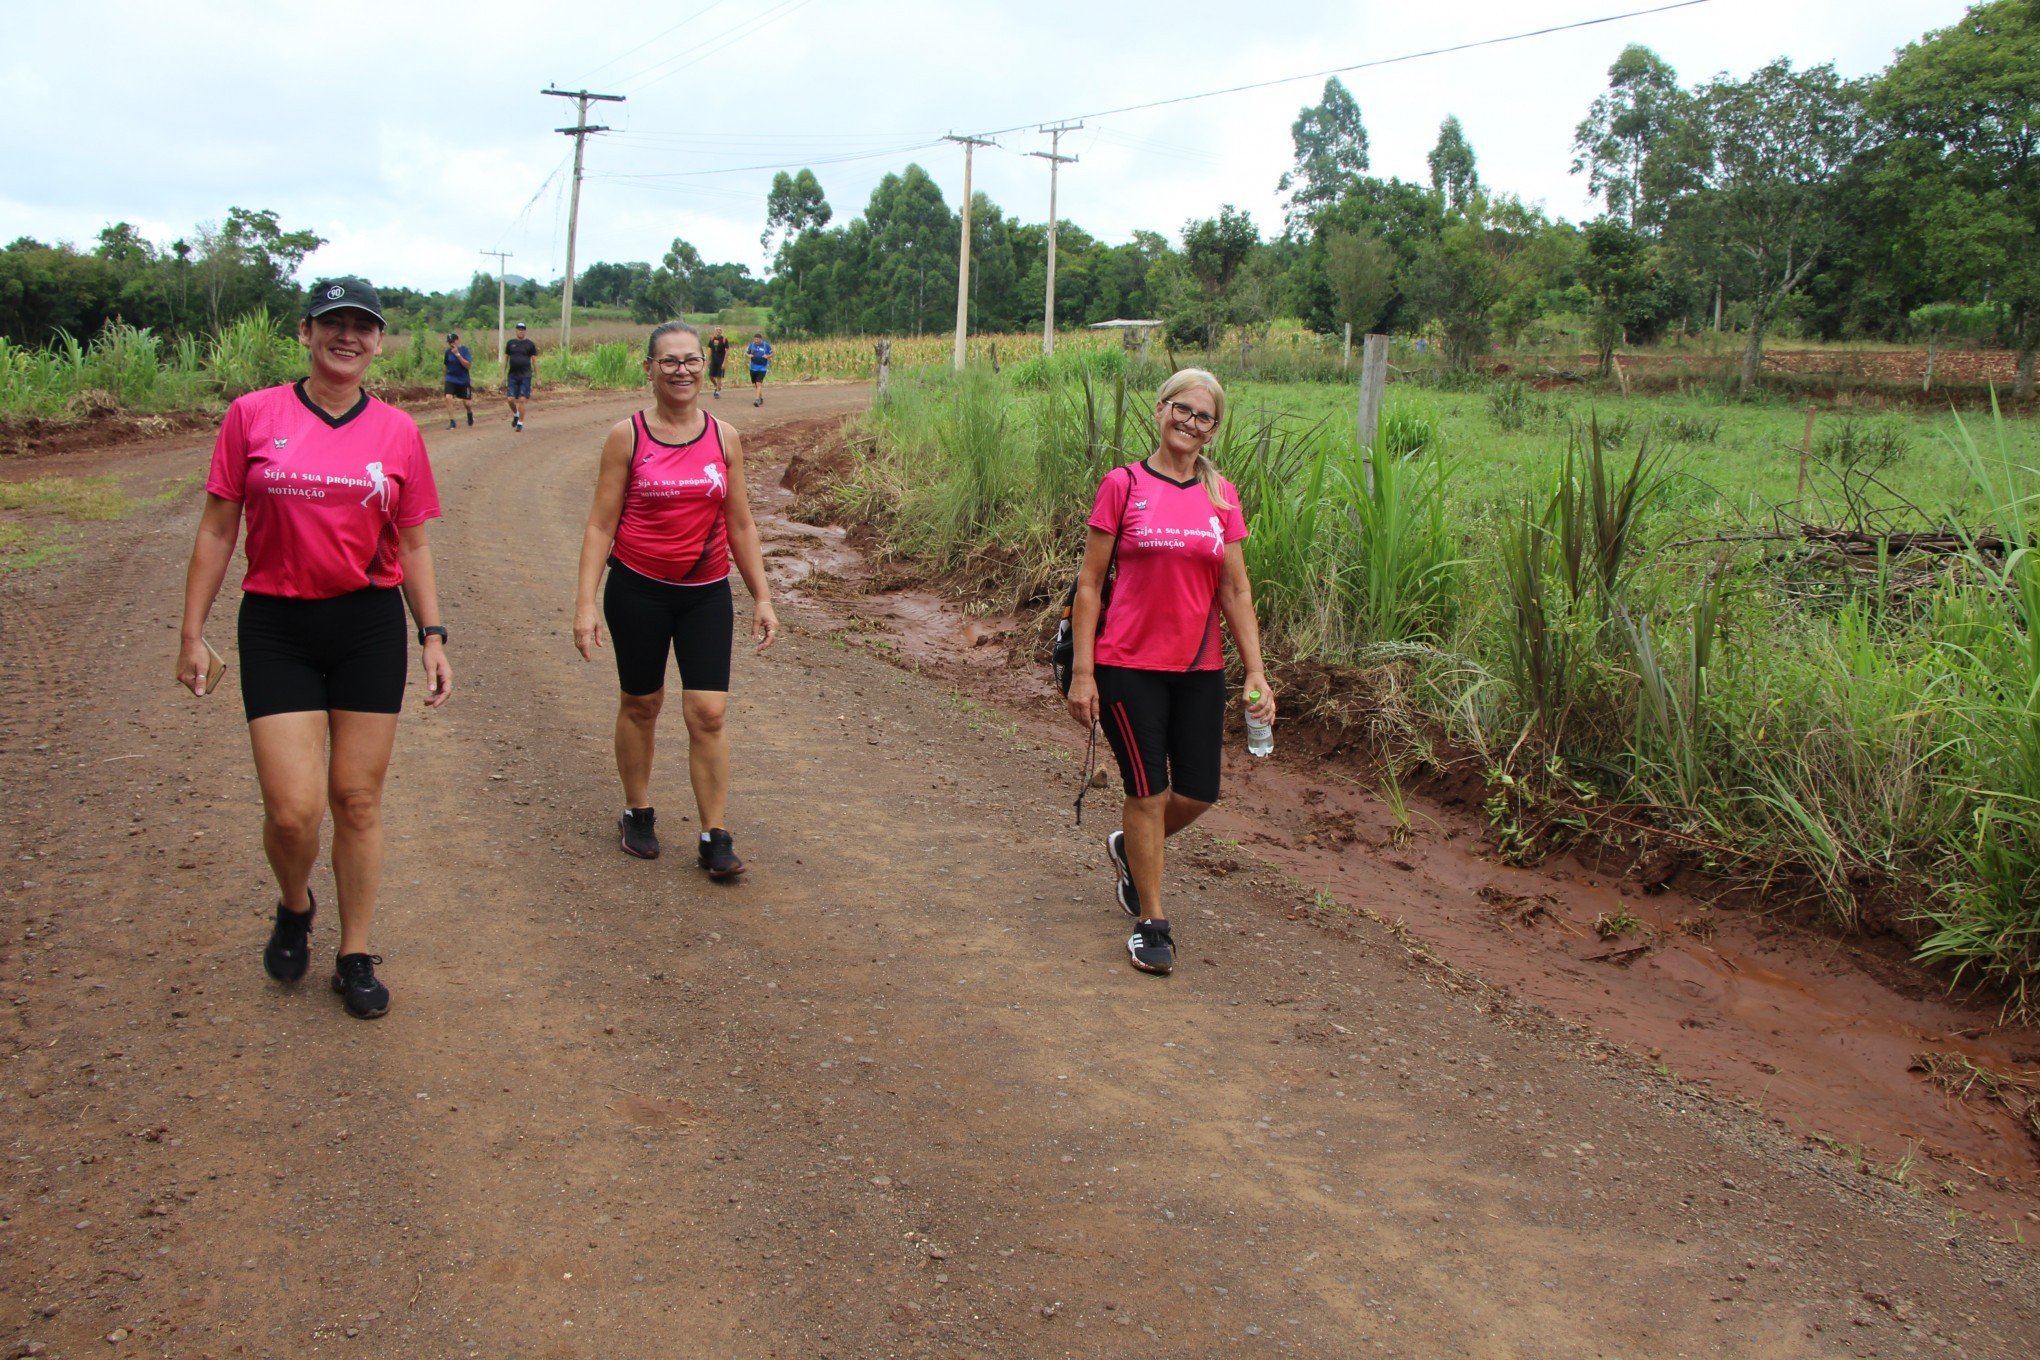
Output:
(379, 487)
(715, 479)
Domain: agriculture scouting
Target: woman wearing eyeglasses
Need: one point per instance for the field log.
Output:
(670, 514)
(1153, 672)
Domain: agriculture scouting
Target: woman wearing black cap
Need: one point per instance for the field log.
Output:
(336, 489)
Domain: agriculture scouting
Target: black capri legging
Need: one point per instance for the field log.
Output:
(309, 656)
(1166, 728)
(646, 617)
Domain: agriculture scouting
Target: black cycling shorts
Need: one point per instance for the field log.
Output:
(1166, 728)
(312, 656)
(646, 617)
(465, 391)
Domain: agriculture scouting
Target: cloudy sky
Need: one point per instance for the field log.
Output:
(413, 136)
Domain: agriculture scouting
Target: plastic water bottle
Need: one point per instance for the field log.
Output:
(1260, 735)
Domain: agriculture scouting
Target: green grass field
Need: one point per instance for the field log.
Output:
(1604, 601)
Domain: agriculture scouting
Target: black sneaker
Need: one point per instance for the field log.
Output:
(638, 837)
(471, 417)
(354, 978)
(517, 425)
(289, 951)
(449, 424)
(718, 854)
(1115, 850)
(1152, 948)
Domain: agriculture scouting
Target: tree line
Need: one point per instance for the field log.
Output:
(1901, 206)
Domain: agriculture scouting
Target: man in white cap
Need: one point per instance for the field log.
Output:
(517, 359)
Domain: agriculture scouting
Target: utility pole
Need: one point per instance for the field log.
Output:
(963, 247)
(1055, 163)
(579, 132)
(501, 256)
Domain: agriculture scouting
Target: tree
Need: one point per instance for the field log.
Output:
(1963, 105)
(1764, 156)
(1613, 145)
(1360, 267)
(793, 205)
(1621, 274)
(1215, 249)
(1451, 160)
(1331, 149)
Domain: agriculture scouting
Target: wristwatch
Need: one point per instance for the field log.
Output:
(431, 630)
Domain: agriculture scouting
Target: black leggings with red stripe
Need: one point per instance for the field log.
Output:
(1166, 728)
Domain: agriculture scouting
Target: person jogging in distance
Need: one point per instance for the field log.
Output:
(459, 359)
(1154, 672)
(518, 355)
(718, 358)
(336, 489)
(760, 350)
(670, 514)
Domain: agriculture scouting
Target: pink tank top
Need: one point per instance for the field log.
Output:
(673, 527)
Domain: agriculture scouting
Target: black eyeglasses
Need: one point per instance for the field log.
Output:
(1192, 417)
(673, 363)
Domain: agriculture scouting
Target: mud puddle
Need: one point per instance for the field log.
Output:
(1823, 1035)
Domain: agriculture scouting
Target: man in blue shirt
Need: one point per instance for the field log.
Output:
(459, 359)
(760, 350)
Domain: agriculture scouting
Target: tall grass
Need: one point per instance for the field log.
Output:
(1563, 603)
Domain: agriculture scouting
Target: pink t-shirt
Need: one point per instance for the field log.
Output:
(1164, 610)
(323, 496)
(674, 526)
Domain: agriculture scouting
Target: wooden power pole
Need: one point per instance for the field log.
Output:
(970, 144)
(501, 256)
(1055, 163)
(579, 132)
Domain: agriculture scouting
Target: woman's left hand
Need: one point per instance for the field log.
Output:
(1263, 711)
(764, 624)
(438, 673)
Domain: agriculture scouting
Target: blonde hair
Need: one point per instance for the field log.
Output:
(1182, 380)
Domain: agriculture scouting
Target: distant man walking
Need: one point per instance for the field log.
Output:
(760, 350)
(517, 357)
(459, 359)
(718, 355)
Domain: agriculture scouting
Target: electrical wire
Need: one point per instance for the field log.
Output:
(1356, 66)
(727, 38)
(712, 4)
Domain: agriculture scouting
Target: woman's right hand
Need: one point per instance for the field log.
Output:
(1084, 699)
(193, 660)
(587, 631)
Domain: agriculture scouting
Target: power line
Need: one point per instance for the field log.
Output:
(712, 4)
(726, 38)
(1365, 65)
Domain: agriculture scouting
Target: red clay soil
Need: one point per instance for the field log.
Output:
(896, 1093)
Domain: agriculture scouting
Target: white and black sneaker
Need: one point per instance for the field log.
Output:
(638, 837)
(1152, 948)
(1115, 850)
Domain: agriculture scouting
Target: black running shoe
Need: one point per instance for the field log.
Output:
(1152, 948)
(638, 837)
(354, 978)
(471, 417)
(1115, 850)
(289, 951)
(517, 425)
(718, 854)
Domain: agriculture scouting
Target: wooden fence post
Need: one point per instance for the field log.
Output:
(1806, 448)
(995, 356)
(1346, 359)
(884, 348)
(1373, 384)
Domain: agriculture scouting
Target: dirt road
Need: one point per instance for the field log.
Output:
(894, 1094)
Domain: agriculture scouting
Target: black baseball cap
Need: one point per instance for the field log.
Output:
(453, 335)
(331, 295)
(520, 325)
